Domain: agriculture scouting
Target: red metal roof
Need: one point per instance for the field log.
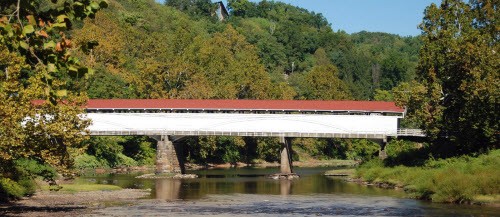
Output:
(290, 105)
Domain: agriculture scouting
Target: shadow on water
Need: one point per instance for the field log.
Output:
(248, 192)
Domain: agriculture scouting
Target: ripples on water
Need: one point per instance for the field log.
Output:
(247, 192)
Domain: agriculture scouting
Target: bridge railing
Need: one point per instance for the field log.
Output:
(360, 135)
(151, 132)
(411, 132)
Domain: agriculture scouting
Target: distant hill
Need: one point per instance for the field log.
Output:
(263, 50)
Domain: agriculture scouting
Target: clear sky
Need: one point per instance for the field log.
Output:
(393, 16)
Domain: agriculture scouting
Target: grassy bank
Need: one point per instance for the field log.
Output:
(340, 172)
(455, 180)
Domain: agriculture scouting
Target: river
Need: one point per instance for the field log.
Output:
(247, 192)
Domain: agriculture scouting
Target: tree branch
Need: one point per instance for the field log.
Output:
(18, 10)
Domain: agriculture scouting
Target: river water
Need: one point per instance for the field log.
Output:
(247, 192)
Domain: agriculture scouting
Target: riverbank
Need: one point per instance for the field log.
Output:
(264, 164)
(217, 193)
(470, 180)
(257, 164)
(69, 203)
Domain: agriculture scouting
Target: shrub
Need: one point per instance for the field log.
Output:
(140, 148)
(453, 180)
(86, 161)
(10, 189)
(453, 186)
(27, 170)
(106, 149)
(30, 169)
(126, 161)
(361, 149)
(269, 149)
(315, 147)
(397, 147)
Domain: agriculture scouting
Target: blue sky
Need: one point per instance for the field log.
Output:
(393, 16)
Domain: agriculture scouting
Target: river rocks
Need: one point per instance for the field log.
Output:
(281, 176)
(167, 176)
(52, 203)
(185, 176)
(385, 185)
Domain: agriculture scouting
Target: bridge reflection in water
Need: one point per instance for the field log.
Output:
(168, 189)
(254, 181)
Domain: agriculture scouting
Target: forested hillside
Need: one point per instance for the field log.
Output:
(266, 50)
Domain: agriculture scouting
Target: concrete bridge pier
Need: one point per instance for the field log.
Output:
(286, 169)
(168, 156)
(286, 155)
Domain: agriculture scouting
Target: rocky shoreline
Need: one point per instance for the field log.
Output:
(263, 164)
(192, 166)
(376, 184)
(50, 203)
(167, 176)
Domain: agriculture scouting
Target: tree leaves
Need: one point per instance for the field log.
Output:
(24, 45)
(49, 45)
(459, 69)
(28, 29)
(36, 64)
(323, 83)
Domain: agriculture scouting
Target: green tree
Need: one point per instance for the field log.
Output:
(259, 32)
(458, 69)
(195, 8)
(227, 67)
(242, 8)
(322, 83)
(383, 95)
(268, 149)
(36, 63)
(394, 70)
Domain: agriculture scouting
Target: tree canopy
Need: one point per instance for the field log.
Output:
(456, 98)
(36, 64)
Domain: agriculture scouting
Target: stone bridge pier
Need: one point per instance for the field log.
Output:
(169, 157)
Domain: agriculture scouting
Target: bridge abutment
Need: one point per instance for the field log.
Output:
(168, 156)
